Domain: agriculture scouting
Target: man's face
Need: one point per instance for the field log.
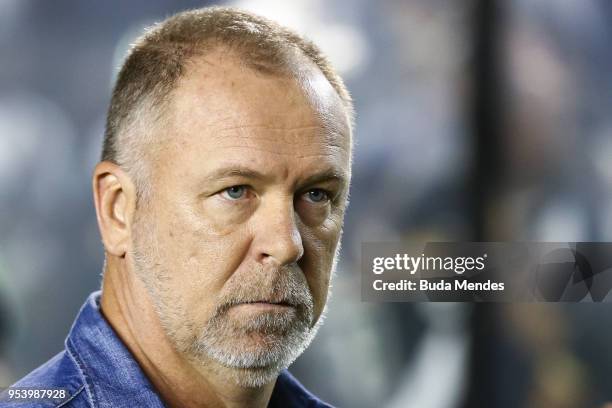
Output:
(238, 242)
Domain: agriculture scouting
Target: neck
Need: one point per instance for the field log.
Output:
(180, 382)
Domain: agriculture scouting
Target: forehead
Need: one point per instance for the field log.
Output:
(220, 104)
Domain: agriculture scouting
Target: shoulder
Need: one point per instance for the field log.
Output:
(60, 372)
(288, 391)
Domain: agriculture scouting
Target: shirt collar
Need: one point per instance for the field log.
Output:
(113, 378)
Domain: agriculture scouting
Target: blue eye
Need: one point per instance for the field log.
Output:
(317, 195)
(235, 192)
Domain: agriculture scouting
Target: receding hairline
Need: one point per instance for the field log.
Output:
(161, 57)
(286, 59)
(298, 70)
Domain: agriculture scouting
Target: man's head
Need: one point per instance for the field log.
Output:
(226, 165)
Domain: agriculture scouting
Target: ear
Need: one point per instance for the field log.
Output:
(115, 201)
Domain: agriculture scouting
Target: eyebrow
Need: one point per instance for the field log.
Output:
(329, 174)
(234, 171)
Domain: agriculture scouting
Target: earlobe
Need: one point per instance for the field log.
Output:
(115, 202)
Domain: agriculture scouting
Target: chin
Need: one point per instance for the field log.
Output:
(255, 377)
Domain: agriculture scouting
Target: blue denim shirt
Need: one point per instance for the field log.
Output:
(98, 370)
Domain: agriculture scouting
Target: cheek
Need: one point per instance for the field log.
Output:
(223, 217)
(199, 262)
(319, 249)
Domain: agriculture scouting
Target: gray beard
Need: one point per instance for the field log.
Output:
(282, 338)
(260, 347)
(252, 351)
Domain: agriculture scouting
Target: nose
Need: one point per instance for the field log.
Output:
(278, 239)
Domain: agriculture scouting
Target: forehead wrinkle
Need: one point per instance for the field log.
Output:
(323, 123)
(259, 131)
(231, 127)
(281, 153)
(280, 137)
(273, 128)
(271, 140)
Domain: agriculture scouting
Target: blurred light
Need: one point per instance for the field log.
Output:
(35, 149)
(37, 169)
(561, 221)
(11, 12)
(600, 153)
(440, 362)
(31, 252)
(93, 151)
(606, 221)
(345, 45)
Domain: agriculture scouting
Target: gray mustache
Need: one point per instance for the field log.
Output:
(287, 286)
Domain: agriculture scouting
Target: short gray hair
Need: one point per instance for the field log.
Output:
(157, 60)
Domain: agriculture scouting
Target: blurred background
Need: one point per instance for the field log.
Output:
(477, 120)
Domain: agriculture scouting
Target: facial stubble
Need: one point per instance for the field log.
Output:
(251, 350)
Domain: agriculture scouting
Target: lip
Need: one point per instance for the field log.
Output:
(264, 305)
